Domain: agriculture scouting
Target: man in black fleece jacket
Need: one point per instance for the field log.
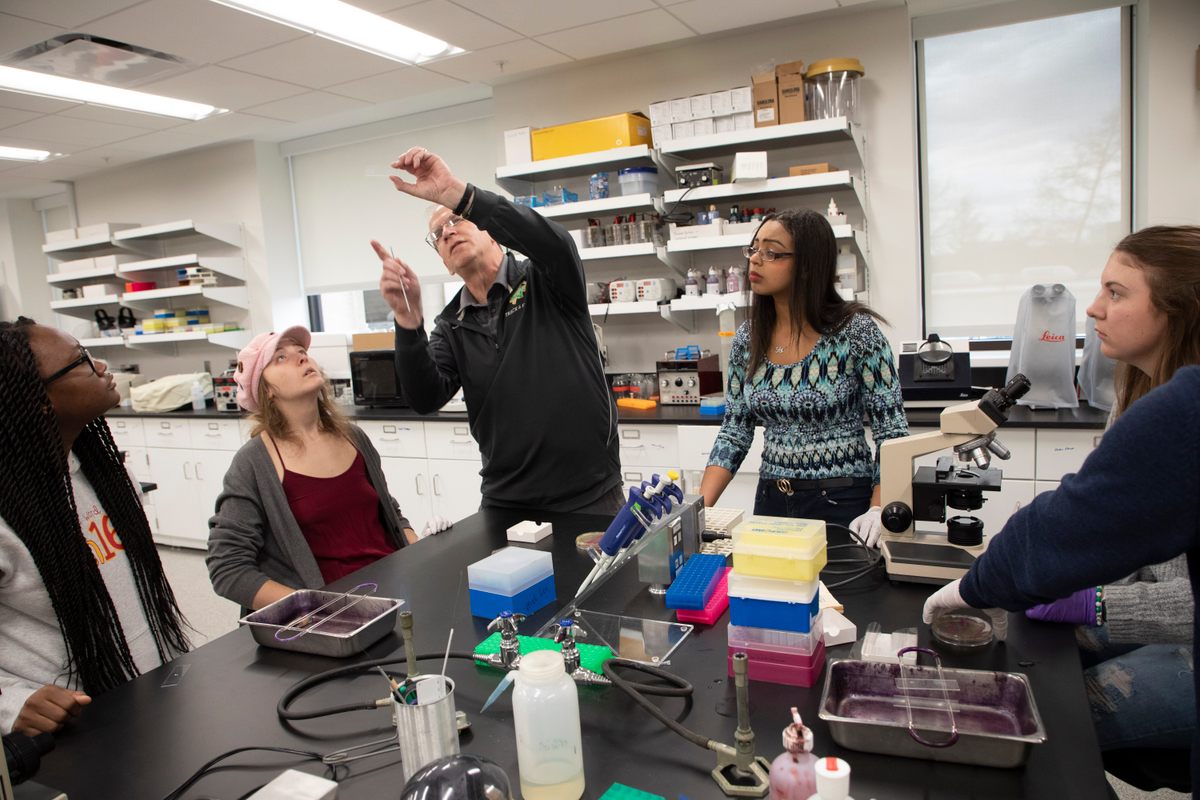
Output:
(1135, 501)
(519, 341)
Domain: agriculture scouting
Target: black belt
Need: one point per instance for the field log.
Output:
(790, 486)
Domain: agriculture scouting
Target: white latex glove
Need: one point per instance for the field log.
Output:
(869, 526)
(949, 598)
(435, 524)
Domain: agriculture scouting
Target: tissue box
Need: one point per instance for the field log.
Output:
(750, 166)
(517, 147)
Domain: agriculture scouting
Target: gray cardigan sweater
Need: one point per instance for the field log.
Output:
(254, 537)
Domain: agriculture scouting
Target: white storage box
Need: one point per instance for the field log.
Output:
(682, 232)
(722, 103)
(775, 591)
(77, 265)
(750, 166)
(65, 235)
(115, 260)
(102, 229)
(701, 106)
(723, 124)
(703, 127)
(683, 130)
(661, 133)
(510, 570)
(638, 180)
(660, 113)
(743, 122)
(742, 99)
(518, 147)
(681, 109)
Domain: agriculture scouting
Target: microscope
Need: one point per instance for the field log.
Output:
(956, 482)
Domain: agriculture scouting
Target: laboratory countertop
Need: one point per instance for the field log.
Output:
(1085, 417)
(223, 695)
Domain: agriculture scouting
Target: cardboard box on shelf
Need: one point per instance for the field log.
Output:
(384, 340)
(591, 135)
(790, 80)
(808, 169)
(517, 147)
(766, 99)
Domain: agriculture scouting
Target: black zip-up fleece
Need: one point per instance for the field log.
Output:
(537, 400)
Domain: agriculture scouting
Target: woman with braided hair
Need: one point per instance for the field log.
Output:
(84, 604)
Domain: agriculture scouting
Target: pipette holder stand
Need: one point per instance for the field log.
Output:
(669, 541)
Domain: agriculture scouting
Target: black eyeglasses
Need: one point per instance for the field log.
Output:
(767, 255)
(84, 358)
(435, 235)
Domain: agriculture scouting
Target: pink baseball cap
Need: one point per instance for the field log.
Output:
(256, 356)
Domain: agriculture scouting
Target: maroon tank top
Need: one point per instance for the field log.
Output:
(340, 518)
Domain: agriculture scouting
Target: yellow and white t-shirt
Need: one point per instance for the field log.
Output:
(32, 652)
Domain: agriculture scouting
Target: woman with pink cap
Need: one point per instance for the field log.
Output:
(305, 501)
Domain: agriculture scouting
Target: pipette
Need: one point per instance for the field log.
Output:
(403, 291)
(628, 522)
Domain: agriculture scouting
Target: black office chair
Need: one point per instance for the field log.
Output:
(1151, 768)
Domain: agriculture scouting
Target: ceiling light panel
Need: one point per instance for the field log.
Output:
(346, 24)
(24, 154)
(20, 80)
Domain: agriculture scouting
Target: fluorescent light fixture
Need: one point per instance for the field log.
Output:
(25, 154)
(40, 83)
(351, 26)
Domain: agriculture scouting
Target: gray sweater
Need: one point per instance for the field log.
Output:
(254, 537)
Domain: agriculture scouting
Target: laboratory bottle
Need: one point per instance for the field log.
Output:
(713, 214)
(793, 773)
(633, 234)
(546, 717)
(197, 396)
(715, 281)
(691, 286)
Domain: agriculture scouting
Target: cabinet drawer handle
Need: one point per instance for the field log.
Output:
(186, 477)
(633, 447)
(461, 441)
(389, 428)
(216, 435)
(420, 484)
(196, 469)
(436, 490)
(634, 434)
(214, 426)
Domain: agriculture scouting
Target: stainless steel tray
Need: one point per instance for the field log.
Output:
(997, 720)
(323, 623)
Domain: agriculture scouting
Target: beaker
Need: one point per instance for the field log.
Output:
(426, 728)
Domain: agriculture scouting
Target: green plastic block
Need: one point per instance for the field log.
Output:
(619, 791)
(591, 656)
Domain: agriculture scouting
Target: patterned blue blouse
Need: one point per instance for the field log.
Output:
(812, 411)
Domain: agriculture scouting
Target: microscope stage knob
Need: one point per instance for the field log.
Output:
(896, 517)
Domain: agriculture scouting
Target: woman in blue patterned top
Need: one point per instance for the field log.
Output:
(807, 366)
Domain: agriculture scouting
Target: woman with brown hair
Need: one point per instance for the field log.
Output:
(305, 501)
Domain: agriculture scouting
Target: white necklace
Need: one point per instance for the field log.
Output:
(779, 348)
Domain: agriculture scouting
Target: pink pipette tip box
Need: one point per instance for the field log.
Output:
(714, 609)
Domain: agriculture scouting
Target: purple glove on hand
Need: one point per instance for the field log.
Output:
(1078, 609)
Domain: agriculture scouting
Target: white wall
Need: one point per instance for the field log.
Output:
(23, 287)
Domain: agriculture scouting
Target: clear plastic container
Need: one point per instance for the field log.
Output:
(804, 672)
(510, 571)
(777, 605)
(546, 717)
(831, 88)
(783, 646)
(780, 548)
(638, 180)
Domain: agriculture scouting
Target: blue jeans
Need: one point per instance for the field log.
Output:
(839, 506)
(1140, 695)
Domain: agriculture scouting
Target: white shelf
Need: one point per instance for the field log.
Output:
(230, 267)
(845, 234)
(573, 166)
(232, 339)
(590, 208)
(235, 296)
(709, 302)
(795, 133)
(83, 306)
(622, 309)
(790, 185)
(618, 251)
(80, 277)
(228, 233)
(102, 341)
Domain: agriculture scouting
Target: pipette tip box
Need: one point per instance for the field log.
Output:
(802, 672)
(511, 579)
(695, 583)
(619, 791)
(714, 609)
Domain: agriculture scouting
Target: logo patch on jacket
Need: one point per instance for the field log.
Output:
(516, 300)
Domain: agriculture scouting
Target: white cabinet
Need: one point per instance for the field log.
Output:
(188, 484)
(397, 439)
(214, 434)
(171, 432)
(408, 482)
(649, 445)
(451, 440)
(999, 506)
(456, 487)
(432, 468)
(1062, 451)
(127, 432)
(633, 476)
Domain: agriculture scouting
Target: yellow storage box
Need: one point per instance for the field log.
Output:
(588, 136)
(780, 548)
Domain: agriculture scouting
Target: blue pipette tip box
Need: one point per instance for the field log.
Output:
(619, 791)
(696, 582)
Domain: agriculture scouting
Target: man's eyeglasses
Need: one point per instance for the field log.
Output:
(84, 358)
(435, 235)
(767, 255)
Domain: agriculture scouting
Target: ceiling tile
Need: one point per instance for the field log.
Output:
(614, 35)
(116, 116)
(14, 116)
(313, 62)
(230, 126)
(395, 85)
(495, 64)
(29, 102)
(534, 17)
(304, 107)
(716, 16)
(62, 133)
(16, 33)
(68, 14)
(381, 6)
(453, 24)
(224, 87)
(198, 31)
(60, 170)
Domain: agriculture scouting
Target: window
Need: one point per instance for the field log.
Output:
(1024, 165)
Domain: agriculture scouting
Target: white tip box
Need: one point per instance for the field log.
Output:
(529, 531)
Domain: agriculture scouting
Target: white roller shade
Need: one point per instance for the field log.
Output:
(344, 199)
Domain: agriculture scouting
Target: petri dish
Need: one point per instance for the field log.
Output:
(961, 631)
(589, 541)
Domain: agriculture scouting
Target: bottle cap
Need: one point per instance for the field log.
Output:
(541, 666)
(833, 778)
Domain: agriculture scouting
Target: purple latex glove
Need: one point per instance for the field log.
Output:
(1078, 609)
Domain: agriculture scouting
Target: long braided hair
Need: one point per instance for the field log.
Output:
(38, 504)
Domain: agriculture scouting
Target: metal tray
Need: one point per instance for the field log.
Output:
(347, 624)
(997, 720)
